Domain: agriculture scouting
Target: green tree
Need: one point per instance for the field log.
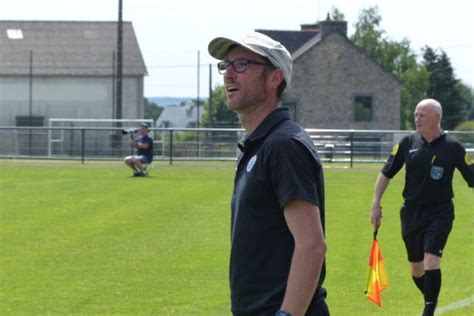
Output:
(468, 94)
(415, 84)
(218, 115)
(152, 111)
(396, 57)
(368, 36)
(336, 14)
(466, 126)
(444, 87)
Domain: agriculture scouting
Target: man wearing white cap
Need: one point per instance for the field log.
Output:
(277, 221)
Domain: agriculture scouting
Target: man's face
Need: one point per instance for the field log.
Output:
(247, 88)
(426, 119)
(143, 130)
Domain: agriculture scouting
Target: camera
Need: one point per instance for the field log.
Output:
(130, 131)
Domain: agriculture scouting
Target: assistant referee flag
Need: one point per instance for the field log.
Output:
(377, 280)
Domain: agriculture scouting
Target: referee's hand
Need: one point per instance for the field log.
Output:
(376, 215)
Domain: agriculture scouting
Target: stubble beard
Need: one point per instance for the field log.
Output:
(247, 100)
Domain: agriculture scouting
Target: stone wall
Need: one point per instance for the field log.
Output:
(328, 77)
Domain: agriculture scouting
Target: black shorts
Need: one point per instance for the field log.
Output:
(425, 228)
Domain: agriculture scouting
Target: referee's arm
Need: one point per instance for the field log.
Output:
(376, 212)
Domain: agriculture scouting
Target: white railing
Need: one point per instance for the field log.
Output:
(108, 143)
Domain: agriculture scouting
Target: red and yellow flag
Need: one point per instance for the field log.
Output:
(377, 279)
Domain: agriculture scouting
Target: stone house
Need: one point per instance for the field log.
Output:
(335, 85)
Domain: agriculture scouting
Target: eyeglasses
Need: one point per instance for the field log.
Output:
(239, 65)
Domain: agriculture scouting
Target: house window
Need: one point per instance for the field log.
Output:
(15, 34)
(363, 108)
(29, 121)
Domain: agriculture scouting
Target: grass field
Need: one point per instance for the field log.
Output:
(88, 239)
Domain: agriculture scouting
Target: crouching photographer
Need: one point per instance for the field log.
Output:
(144, 145)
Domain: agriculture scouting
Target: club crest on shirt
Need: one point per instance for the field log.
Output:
(251, 163)
(436, 172)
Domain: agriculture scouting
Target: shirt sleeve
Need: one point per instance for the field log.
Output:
(396, 160)
(465, 165)
(293, 172)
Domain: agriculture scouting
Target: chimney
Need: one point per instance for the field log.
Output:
(310, 27)
(329, 26)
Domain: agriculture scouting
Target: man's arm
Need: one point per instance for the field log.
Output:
(376, 212)
(143, 145)
(304, 222)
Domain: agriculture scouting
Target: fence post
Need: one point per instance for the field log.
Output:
(198, 144)
(83, 143)
(71, 149)
(171, 147)
(352, 147)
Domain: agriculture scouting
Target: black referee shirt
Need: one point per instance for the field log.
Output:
(279, 163)
(429, 167)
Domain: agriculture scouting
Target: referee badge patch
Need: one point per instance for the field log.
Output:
(395, 150)
(436, 172)
(468, 159)
(251, 163)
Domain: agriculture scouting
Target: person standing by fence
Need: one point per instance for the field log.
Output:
(277, 226)
(427, 214)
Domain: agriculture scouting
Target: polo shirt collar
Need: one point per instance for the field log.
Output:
(436, 140)
(262, 130)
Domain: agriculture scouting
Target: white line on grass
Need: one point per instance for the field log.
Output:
(456, 305)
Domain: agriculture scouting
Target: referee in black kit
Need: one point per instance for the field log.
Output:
(430, 157)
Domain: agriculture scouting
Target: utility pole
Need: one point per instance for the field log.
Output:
(119, 64)
(197, 101)
(30, 103)
(198, 88)
(113, 84)
(116, 137)
(209, 101)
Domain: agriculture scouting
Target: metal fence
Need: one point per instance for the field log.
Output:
(102, 143)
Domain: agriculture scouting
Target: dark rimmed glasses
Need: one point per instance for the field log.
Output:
(239, 65)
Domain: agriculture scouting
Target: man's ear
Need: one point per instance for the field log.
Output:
(276, 77)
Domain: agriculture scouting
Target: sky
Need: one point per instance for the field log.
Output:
(173, 34)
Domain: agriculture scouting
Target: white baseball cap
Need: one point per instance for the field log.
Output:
(259, 44)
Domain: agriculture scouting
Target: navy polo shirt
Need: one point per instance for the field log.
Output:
(148, 152)
(429, 167)
(278, 164)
